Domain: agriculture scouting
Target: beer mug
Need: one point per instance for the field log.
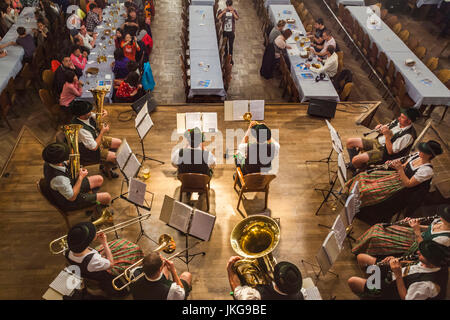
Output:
(302, 42)
(145, 172)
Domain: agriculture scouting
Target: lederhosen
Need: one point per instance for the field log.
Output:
(58, 198)
(404, 151)
(88, 156)
(254, 164)
(193, 161)
(267, 292)
(389, 289)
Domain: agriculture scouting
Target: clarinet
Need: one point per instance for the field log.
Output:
(391, 124)
(411, 257)
(385, 166)
(405, 223)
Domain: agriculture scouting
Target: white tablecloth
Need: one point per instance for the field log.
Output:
(271, 2)
(11, 65)
(351, 2)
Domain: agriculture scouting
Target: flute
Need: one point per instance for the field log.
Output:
(390, 125)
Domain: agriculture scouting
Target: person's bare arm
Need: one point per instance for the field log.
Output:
(408, 183)
(106, 249)
(77, 187)
(233, 278)
(169, 264)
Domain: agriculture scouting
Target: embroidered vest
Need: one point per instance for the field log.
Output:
(150, 290)
(88, 156)
(193, 161)
(267, 292)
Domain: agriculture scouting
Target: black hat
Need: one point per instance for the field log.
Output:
(80, 108)
(193, 136)
(80, 236)
(434, 252)
(444, 212)
(411, 113)
(430, 147)
(261, 132)
(287, 277)
(56, 153)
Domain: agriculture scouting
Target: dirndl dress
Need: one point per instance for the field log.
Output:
(124, 252)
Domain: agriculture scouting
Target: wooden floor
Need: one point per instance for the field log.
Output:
(28, 223)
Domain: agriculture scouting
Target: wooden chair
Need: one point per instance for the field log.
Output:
(392, 21)
(195, 182)
(420, 52)
(53, 108)
(384, 14)
(373, 55)
(413, 43)
(309, 28)
(389, 76)
(252, 182)
(380, 66)
(47, 78)
(366, 45)
(404, 35)
(403, 100)
(299, 8)
(285, 75)
(340, 55)
(5, 105)
(345, 94)
(444, 75)
(293, 91)
(432, 63)
(397, 28)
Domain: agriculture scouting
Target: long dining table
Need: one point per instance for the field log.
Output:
(304, 79)
(422, 85)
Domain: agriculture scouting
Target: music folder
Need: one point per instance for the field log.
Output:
(143, 123)
(186, 219)
(127, 161)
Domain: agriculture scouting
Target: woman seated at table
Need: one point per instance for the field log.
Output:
(130, 46)
(9, 16)
(118, 38)
(72, 88)
(128, 90)
(120, 66)
(131, 25)
(78, 58)
(16, 5)
(380, 185)
(280, 43)
(396, 240)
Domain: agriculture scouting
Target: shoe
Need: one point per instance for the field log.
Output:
(111, 173)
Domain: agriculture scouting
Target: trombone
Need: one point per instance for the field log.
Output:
(248, 117)
(62, 241)
(165, 246)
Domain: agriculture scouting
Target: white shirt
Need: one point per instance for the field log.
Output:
(175, 291)
(280, 43)
(443, 240)
(327, 43)
(86, 137)
(176, 160)
(61, 183)
(242, 150)
(421, 290)
(331, 65)
(402, 142)
(86, 40)
(97, 263)
(423, 173)
(249, 293)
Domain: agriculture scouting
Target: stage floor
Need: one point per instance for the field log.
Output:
(28, 223)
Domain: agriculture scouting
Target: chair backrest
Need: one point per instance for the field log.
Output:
(346, 92)
(384, 13)
(390, 71)
(413, 43)
(397, 28)
(47, 98)
(404, 35)
(340, 55)
(11, 89)
(309, 28)
(194, 181)
(391, 21)
(444, 75)
(257, 181)
(420, 52)
(382, 60)
(432, 63)
(374, 51)
(47, 77)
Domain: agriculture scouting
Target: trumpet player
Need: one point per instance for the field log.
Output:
(94, 146)
(422, 280)
(155, 285)
(67, 193)
(391, 143)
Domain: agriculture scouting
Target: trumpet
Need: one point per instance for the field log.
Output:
(62, 241)
(405, 223)
(248, 117)
(391, 124)
(409, 258)
(164, 246)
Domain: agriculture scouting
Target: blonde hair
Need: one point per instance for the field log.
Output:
(281, 23)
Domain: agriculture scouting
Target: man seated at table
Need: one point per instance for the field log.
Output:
(277, 30)
(316, 36)
(321, 50)
(26, 41)
(60, 74)
(331, 64)
(87, 40)
(193, 157)
(93, 18)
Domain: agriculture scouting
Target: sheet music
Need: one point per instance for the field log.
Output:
(167, 208)
(209, 122)
(339, 229)
(350, 208)
(140, 115)
(180, 217)
(240, 107)
(136, 191)
(181, 123)
(123, 153)
(335, 138)
(228, 110)
(312, 293)
(132, 167)
(145, 126)
(193, 120)
(342, 170)
(331, 247)
(257, 109)
(60, 283)
(202, 225)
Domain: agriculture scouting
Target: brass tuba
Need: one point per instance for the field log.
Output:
(254, 238)
(99, 94)
(106, 217)
(248, 117)
(71, 132)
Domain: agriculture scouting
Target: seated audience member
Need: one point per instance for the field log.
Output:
(316, 36)
(193, 157)
(395, 240)
(321, 50)
(341, 79)
(40, 33)
(70, 194)
(131, 25)
(88, 41)
(26, 41)
(129, 88)
(130, 46)
(94, 146)
(134, 5)
(147, 26)
(120, 65)
(147, 44)
(277, 30)
(88, 8)
(330, 66)
(9, 16)
(3, 53)
(79, 59)
(60, 74)
(155, 285)
(380, 185)
(287, 284)
(422, 280)
(16, 5)
(72, 89)
(256, 156)
(392, 142)
(118, 38)
(280, 43)
(93, 18)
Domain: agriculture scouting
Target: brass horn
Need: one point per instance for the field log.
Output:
(106, 217)
(71, 132)
(99, 94)
(248, 117)
(254, 238)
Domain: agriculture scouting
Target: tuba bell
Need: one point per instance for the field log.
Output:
(254, 238)
(99, 94)
(71, 132)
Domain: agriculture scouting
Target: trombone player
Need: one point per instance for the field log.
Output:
(94, 146)
(70, 193)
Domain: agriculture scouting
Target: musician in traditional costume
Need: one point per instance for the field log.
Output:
(193, 157)
(417, 172)
(287, 284)
(395, 240)
(66, 192)
(94, 145)
(156, 283)
(422, 280)
(393, 141)
(105, 262)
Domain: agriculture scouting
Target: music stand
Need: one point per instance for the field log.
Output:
(143, 123)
